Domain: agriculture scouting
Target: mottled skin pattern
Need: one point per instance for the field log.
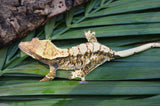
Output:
(82, 58)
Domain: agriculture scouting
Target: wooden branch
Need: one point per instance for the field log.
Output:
(18, 17)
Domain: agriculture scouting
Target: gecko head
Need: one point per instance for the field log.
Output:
(42, 48)
(31, 48)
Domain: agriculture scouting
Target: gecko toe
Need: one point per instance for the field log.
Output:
(46, 79)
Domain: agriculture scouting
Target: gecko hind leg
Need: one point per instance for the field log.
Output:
(51, 75)
(128, 52)
(82, 73)
(90, 36)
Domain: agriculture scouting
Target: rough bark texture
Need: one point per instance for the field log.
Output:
(18, 17)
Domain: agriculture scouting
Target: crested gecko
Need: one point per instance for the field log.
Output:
(82, 58)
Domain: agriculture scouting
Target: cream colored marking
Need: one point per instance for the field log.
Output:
(79, 52)
(77, 73)
(78, 65)
(75, 51)
(87, 60)
(90, 36)
(87, 33)
(87, 48)
(111, 51)
(93, 33)
(96, 47)
(82, 59)
(66, 63)
(90, 46)
(108, 58)
(93, 47)
(100, 46)
(93, 57)
(70, 66)
(104, 49)
(71, 52)
(83, 48)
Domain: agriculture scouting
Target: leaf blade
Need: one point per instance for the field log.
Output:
(128, 7)
(75, 88)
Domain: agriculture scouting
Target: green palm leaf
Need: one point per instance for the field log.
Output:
(119, 24)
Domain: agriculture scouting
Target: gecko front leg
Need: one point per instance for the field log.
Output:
(51, 75)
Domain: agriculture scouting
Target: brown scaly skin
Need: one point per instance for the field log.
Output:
(82, 58)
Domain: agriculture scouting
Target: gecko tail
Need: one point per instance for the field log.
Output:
(128, 52)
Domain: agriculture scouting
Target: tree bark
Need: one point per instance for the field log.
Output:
(18, 17)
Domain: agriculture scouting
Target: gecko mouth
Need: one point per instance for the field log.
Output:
(21, 46)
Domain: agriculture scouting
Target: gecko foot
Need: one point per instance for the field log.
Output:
(89, 33)
(77, 73)
(46, 79)
(90, 36)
